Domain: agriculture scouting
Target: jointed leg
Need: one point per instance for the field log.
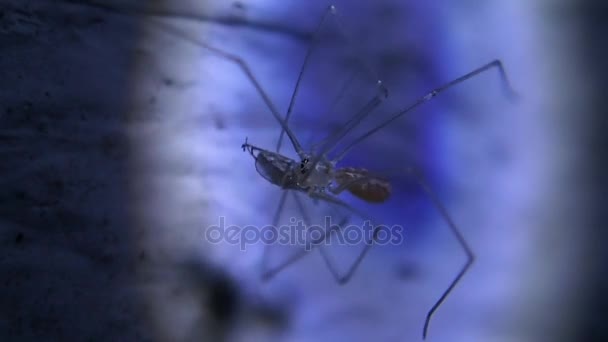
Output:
(267, 273)
(324, 255)
(368, 244)
(508, 89)
(382, 92)
(465, 246)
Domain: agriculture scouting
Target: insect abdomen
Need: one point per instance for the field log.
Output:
(363, 185)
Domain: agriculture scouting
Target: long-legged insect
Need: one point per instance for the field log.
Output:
(316, 175)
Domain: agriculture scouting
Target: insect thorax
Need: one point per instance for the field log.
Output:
(318, 176)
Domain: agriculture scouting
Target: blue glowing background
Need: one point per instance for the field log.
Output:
(465, 142)
(126, 149)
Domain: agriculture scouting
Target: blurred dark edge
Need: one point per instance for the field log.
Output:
(67, 260)
(593, 16)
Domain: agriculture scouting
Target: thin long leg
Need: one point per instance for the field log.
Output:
(382, 94)
(450, 222)
(150, 12)
(368, 244)
(331, 140)
(331, 109)
(271, 273)
(331, 10)
(275, 222)
(322, 251)
(292, 101)
(494, 64)
(376, 100)
(352, 122)
(461, 240)
(247, 71)
(355, 265)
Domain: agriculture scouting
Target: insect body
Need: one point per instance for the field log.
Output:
(284, 172)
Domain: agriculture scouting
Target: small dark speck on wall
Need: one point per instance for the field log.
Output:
(19, 238)
(220, 124)
(223, 300)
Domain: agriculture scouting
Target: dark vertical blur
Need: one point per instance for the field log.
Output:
(594, 21)
(65, 246)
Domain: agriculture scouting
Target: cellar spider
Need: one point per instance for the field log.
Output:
(319, 176)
